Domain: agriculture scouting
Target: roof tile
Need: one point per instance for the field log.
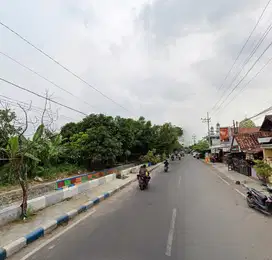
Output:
(248, 142)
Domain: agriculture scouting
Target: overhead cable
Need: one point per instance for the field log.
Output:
(59, 64)
(41, 96)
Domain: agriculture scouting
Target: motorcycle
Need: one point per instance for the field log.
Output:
(165, 168)
(172, 158)
(143, 182)
(259, 201)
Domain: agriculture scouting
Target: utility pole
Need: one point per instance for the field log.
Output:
(207, 120)
(194, 138)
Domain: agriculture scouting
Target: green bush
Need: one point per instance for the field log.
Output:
(7, 176)
(264, 171)
(56, 171)
(151, 157)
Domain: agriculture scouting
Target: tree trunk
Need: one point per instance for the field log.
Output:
(25, 195)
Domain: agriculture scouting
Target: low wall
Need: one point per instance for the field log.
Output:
(12, 213)
(13, 196)
(79, 179)
(10, 197)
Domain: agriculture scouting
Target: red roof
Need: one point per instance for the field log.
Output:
(248, 130)
(242, 130)
(248, 142)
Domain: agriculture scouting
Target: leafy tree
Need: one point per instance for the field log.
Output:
(126, 134)
(96, 144)
(68, 130)
(201, 146)
(7, 126)
(247, 123)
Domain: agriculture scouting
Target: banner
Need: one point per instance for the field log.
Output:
(224, 134)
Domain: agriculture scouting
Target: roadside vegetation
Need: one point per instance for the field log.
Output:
(97, 141)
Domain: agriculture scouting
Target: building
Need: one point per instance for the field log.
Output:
(266, 141)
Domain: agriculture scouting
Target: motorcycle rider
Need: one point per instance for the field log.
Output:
(144, 173)
(166, 163)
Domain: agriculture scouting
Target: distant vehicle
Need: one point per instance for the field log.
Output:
(194, 154)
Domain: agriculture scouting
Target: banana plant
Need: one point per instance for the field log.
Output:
(18, 151)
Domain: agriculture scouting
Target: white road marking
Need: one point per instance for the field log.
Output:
(56, 236)
(51, 247)
(240, 193)
(171, 233)
(179, 181)
(223, 180)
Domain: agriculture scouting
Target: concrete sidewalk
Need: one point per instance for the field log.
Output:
(246, 181)
(15, 230)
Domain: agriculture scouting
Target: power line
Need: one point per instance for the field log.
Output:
(243, 47)
(44, 78)
(268, 29)
(241, 80)
(262, 112)
(15, 102)
(244, 87)
(249, 58)
(64, 67)
(41, 96)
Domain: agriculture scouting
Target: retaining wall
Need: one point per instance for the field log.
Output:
(12, 213)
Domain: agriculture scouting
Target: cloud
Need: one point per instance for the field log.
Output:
(161, 59)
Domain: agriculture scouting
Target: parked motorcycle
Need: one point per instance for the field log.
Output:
(165, 168)
(143, 182)
(269, 187)
(259, 201)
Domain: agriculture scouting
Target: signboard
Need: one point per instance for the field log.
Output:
(215, 141)
(224, 134)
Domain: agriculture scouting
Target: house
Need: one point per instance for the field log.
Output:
(245, 148)
(248, 143)
(266, 142)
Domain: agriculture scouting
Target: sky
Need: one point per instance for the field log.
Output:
(166, 60)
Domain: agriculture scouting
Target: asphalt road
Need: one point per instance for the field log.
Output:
(188, 213)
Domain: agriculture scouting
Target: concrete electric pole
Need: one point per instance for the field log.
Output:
(194, 138)
(207, 120)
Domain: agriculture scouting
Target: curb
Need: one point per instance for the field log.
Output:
(234, 181)
(24, 241)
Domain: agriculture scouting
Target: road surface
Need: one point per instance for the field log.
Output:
(189, 213)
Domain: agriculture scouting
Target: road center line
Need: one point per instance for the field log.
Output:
(171, 233)
(179, 181)
(56, 236)
(240, 193)
(223, 180)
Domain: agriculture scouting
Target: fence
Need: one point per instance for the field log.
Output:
(241, 166)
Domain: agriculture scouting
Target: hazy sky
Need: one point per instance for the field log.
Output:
(162, 59)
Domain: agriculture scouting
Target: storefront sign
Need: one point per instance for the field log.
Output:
(215, 141)
(224, 134)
